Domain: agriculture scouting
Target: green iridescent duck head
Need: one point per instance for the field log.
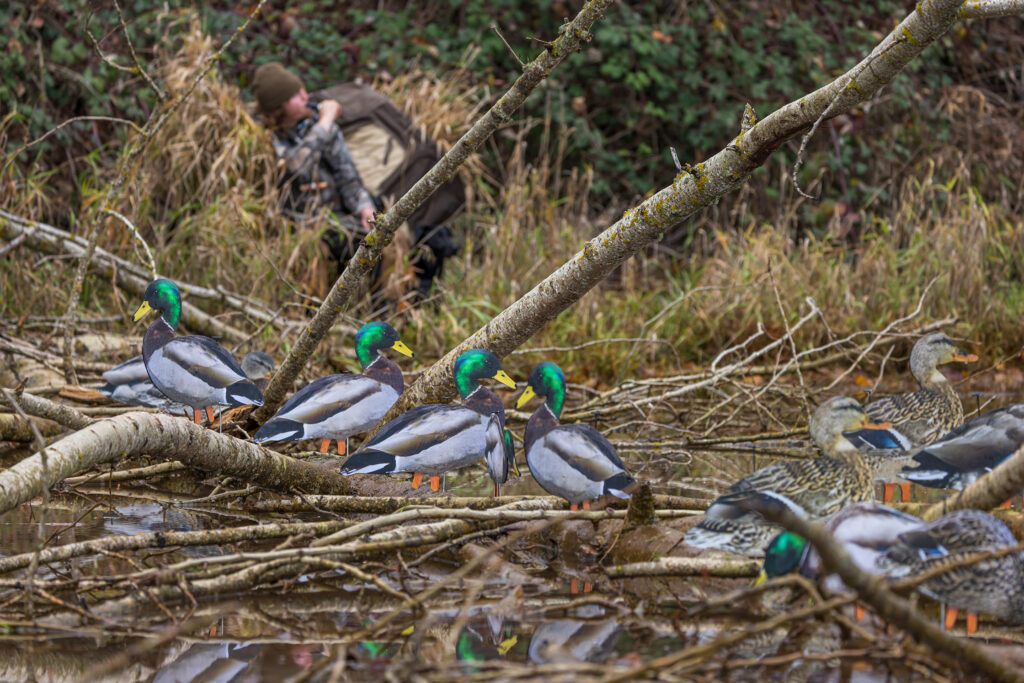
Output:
(373, 337)
(836, 416)
(783, 555)
(547, 380)
(933, 350)
(475, 365)
(161, 295)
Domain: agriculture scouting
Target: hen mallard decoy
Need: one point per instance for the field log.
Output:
(433, 439)
(194, 370)
(994, 586)
(128, 383)
(811, 488)
(335, 407)
(970, 451)
(259, 367)
(919, 417)
(573, 461)
(865, 530)
(500, 460)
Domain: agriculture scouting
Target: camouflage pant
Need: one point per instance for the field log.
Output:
(393, 277)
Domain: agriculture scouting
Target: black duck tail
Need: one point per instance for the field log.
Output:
(280, 429)
(244, 393)
(369, 462)
(617, 485)
(932, 472)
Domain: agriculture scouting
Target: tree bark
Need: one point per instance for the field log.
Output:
(338, 299)
(173, 438)
(689, 193)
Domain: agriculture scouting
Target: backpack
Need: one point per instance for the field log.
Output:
(391, 155)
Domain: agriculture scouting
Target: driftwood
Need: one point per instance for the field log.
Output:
(174, 438)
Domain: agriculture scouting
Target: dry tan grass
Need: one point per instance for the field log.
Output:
(205, 192)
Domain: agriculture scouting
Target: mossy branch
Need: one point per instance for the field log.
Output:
(692, 191)
(169, 437)
(368, 254)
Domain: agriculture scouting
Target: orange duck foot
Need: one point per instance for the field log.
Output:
(435, 483)
(209, 414)
(887, 492)
(417, 479)
(905, 492)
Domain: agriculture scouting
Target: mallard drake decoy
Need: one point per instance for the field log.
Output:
(128, 383)
(433, 439)
(922, 416)
(500, 460)
(194, 370)
(970, 451)
(994, 586)
(811, 488)
(335, 407)
(574, 461)
(865, 530)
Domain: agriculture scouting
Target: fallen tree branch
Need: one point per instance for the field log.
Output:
(687, 566)
(49, 239)
(173, 438)
(63, 415)
(169, 539)
(690, 192)
(14, 428)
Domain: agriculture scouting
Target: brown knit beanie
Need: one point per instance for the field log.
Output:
(273, 86)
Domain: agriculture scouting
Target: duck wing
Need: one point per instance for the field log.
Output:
(816, 487)
(203, 358)
(128, 372)
(982, 443)
(584, 449)
(325, 397)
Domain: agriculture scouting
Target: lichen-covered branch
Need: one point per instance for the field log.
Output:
(690, 192)
(173, 438)
(572, 36)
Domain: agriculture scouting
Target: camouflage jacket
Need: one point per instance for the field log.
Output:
(319, 170)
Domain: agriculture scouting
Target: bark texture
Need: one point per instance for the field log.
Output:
(173, 438)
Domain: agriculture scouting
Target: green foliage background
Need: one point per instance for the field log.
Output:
(656, 75)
